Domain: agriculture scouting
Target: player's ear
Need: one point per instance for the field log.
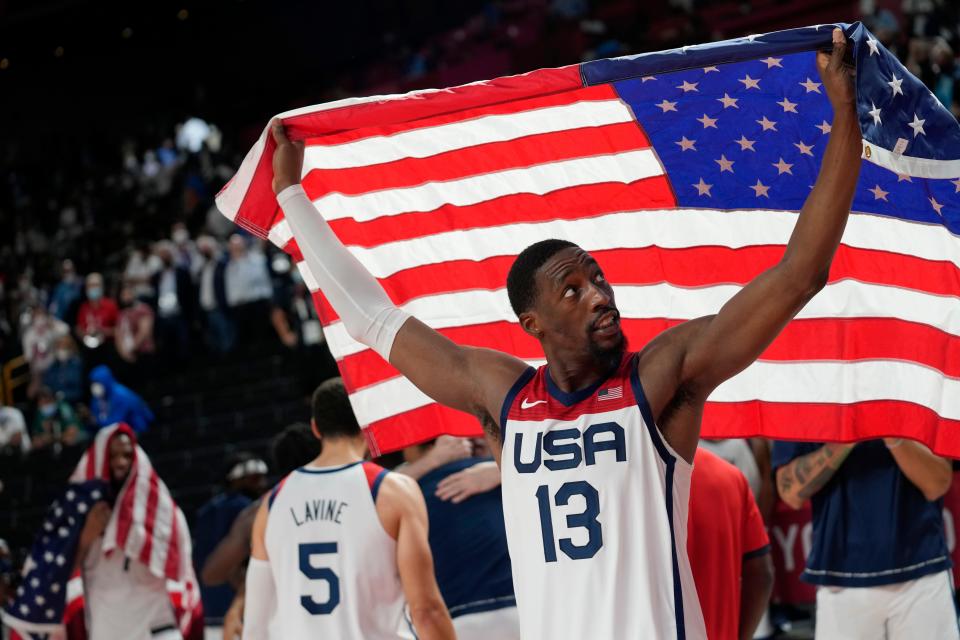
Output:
(531, 324)
(316, 431)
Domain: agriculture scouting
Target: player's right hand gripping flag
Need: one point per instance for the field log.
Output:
(682, 172)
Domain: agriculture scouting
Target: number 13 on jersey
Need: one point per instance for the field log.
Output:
(586, 519)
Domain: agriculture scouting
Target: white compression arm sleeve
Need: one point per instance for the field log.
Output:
(260, 600)
(368, 314)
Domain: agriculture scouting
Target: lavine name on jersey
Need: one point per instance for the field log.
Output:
(322, 509)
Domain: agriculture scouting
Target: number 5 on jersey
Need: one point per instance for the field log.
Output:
(307, 551)
(587, 519)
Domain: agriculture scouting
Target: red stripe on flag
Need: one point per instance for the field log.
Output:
(153, 497)
(470, 110)
(172, 565)
(692, 267)
(808, 339)
(832, 422)
(480, 159)
(125, 514)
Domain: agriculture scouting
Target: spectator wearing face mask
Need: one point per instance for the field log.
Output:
(134, 336)
(39, 337)
(55, 424)
(113, 402)
(65, 375)
(220, 332)
(67, 294)
(173, 305)
(141, 266)
(248, 288)
(97, 318)
(14, 438)
(185, 253)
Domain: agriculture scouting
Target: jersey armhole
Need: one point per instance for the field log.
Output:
(511, 396)
(375, 475)
(275, 491)
(665, 451)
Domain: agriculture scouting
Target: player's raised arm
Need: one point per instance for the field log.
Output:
(465, 378)
(712, 349)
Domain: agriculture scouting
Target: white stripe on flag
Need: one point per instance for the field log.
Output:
(624, 168)
(162, 527)
(671, 229)
(432, 140)
(843, 299)
(814, 382)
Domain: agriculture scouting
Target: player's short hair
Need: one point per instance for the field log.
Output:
(521, 281)
(332, 412)
(293, 447)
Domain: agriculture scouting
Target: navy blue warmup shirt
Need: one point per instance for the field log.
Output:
(469, 546)
(871, 525)
(213, 524)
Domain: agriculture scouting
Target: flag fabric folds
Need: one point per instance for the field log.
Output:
(145, 524)
(682, 172)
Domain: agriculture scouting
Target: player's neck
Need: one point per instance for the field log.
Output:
(572, 374)
(338, 451)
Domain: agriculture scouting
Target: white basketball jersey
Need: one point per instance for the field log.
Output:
(595, 506)
(333, 564)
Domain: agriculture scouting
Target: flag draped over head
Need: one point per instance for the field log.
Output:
(145, 524)
(682, 173)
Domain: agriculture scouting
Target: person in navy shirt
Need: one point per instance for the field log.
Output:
(461, 486)
(879, 555)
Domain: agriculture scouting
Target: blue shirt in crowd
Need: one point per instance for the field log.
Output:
(871, 525)
(469, 545)
(213, 523)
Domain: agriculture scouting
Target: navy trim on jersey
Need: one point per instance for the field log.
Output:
(521, 382)
(568, 399)
(329, 470)
(482, 606)
(677, 588)
(273, 494)
(756, 553)
(375, 487)
(647, 414)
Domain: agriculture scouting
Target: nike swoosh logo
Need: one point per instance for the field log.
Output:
(526, 405)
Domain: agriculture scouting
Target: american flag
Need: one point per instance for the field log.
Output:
(610, 393)
(682, 172)
(145, 524)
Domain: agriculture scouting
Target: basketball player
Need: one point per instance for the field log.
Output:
(595, 448)
(340, 546)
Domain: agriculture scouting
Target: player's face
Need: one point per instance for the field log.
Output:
(576, 311)
(121, 457)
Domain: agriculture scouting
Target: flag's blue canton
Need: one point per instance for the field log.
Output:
(41, 597)
(750, 134)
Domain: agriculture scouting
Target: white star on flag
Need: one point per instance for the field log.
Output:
(666, 105)
(748, 144)
(956, 183)
(728, 101)
(917, 126)
(783, 167)
(895, 85)
(772, 62)
(873, 46)
(646, 78)
(707, 121)
(688, 86)
(750, 83)
(788, 107)
(709, 69)
(804, 149)
(703, 188)
(686, 145)
(760, 189)
(824, 127)
(725, 165)
(810, 85)
(878, 193)
(768, 125)
(875, 112)
(936, 207)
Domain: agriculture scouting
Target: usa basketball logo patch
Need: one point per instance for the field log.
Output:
(611, 393)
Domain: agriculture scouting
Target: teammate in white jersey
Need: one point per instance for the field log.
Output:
(339, 549)
(596, 446)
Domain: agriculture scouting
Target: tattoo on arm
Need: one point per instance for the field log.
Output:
(810, 473)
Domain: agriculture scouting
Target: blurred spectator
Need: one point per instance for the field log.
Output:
(14, 438)
(185, 250)
(245, 482)
(112, 402)
(139, 271)
(467, 535)
(729, 549)
(67, 293)
(173, 305)
(97, 317)
(134, 336)
(55, 424)
(65, 375)
(879, 555)
(219, 329)
(248, 287)
(40, 334)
